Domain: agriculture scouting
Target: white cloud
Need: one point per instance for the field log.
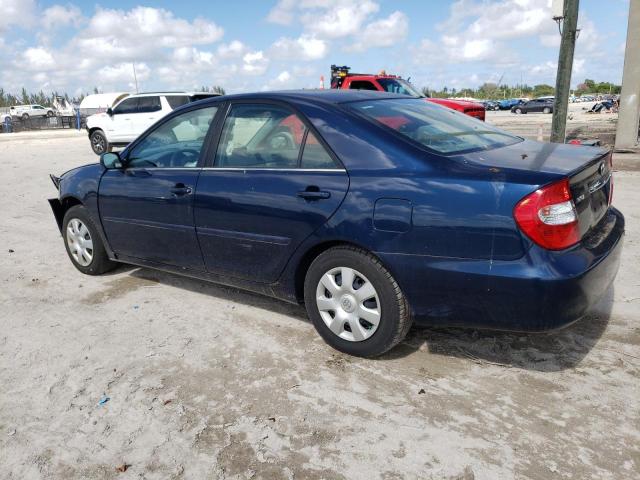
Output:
(255, 63)
(305, 47)
(232, 50)
(16, 12)
(123, 74)
(340, 20)
(58, 16)
(37, 59)
(119, 35)
(386, 32)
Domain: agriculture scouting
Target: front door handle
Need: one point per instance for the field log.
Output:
(180, 189)
(313, 193)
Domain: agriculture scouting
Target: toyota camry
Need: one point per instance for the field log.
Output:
(374, 210)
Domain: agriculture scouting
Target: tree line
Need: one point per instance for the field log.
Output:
(489, 90)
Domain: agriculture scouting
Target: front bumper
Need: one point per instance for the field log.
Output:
(543, 290)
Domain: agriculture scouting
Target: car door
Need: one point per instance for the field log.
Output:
(146, 207)
(38, 111)
(273, 183)
(148, 112)
(120, 126)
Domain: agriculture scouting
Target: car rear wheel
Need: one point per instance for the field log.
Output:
(83, 243)
(25, 116)
(546, 110)
(355, 303)
(99, 143)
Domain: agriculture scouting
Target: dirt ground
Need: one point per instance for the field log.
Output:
(207, 382)
(580, 124)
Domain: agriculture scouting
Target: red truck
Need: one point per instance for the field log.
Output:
(342, 78)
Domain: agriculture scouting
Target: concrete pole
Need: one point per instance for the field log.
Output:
(565, 65)
(629, 115)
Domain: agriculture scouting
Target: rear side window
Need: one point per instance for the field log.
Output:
(362, 85)
(314, 155)
(129, 105)
(176, 101)
(149, 104)
(260, 136)
(439, 129)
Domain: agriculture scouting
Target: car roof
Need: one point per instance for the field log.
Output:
(334, 96)
(147, 94)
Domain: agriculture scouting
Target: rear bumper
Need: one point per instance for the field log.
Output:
(541, 291)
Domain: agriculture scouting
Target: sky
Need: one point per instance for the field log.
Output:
(251, 45)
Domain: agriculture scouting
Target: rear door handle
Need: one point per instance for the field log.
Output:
(314, 194)
(180, 189)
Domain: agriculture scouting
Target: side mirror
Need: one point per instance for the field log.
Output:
(110, 111)
(111, 160)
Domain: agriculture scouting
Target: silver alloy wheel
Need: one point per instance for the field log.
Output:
(79, 241)
(348, 304)
(98, 142)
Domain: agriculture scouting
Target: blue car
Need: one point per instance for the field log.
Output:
(374, 210)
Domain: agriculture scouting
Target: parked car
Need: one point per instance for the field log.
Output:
(509, 102)
(132, 115)
(544, 105)
(375, 210)
(26, 111)
(491, 105)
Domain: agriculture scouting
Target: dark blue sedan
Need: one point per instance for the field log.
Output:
(375, 210)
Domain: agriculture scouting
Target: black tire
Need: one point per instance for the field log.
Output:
(546, 110)
(99, 143)
(395, 317)
(49, 113)
(25, 116)
(518, 111)
(100, 262)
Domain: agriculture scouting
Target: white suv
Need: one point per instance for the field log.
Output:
(132, 115)
(26, 111)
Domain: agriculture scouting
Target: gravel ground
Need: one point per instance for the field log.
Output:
(580, 124)
(209, 382)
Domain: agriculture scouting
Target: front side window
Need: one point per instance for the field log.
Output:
(260, 136)
(175, 143)
(149, 104)
(439, 129)
(130, 105)
(399, 86)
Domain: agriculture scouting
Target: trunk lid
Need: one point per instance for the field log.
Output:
(587, 168)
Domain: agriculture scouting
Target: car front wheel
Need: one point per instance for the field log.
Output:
(518, 111)
(49, 113)
(25, 116)
(355, 303)
(99, 143)
(83, 243)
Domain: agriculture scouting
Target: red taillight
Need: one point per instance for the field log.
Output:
(548, 216)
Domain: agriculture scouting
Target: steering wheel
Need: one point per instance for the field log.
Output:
(180, 158)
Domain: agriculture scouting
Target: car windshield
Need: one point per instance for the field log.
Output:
(437, 128)
(398, 85)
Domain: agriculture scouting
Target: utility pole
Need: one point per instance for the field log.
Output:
(135, 77)
(569, 32)
(628, 130)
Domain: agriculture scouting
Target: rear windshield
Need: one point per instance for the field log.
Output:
(437, 128)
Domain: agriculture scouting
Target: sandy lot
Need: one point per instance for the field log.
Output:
(209, 382)
(580, 124)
